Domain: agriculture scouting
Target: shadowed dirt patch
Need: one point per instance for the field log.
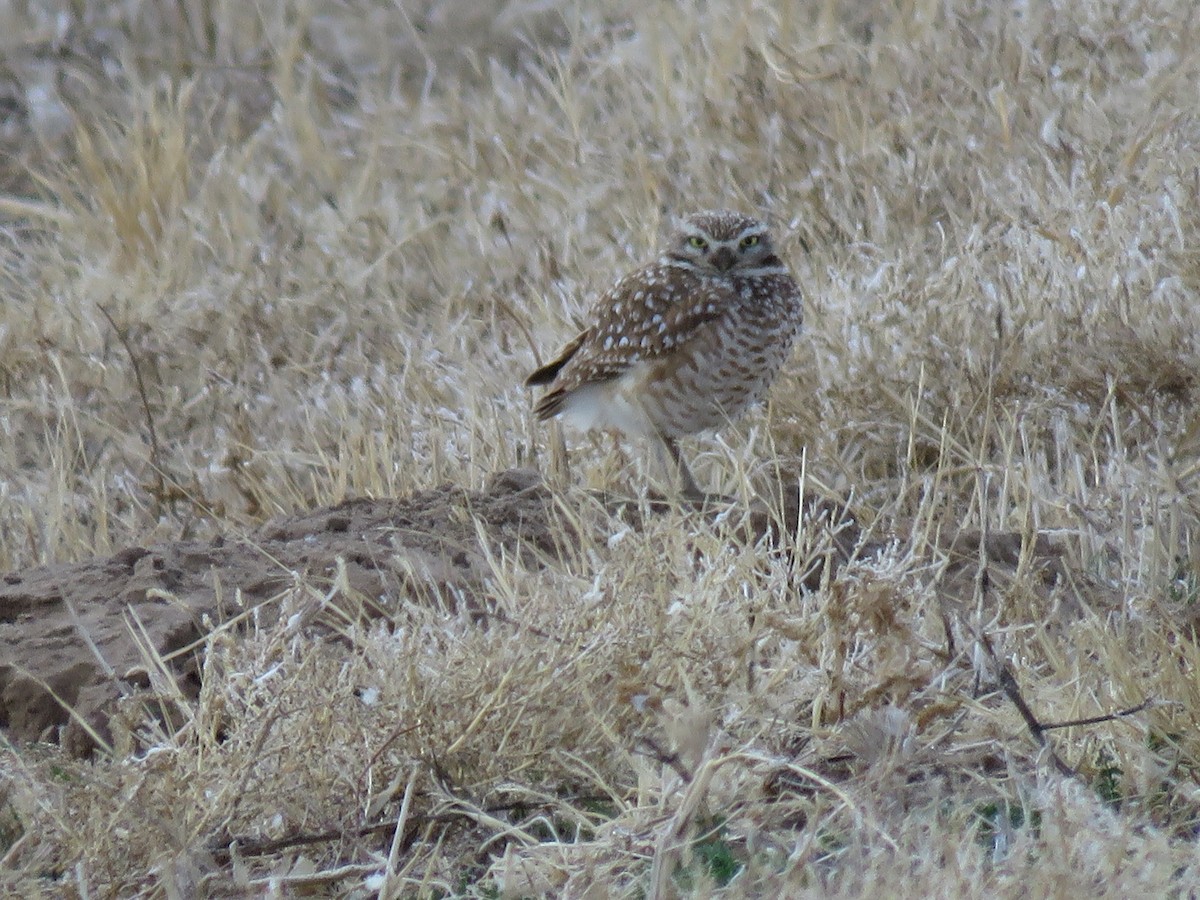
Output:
(78, 638)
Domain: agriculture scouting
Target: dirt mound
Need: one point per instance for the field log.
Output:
(75, 638)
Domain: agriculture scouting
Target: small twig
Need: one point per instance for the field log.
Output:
(1108, 717)
(247, 846)
(670, 759)
(1008, 683)
(258, 847)
(506, 619)
(155, 452)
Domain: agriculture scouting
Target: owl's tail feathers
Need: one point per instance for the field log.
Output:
(551, 404)
(550, 370)
(545, 374)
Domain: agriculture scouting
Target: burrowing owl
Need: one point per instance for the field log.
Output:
(683, 344)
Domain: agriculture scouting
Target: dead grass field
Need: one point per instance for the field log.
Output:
(262, 258)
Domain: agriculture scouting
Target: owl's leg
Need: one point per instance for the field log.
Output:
(690, 490)
(560, 460)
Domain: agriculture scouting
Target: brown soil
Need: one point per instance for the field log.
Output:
(73, 637)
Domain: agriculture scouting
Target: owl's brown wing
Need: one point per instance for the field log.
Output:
(648, 314)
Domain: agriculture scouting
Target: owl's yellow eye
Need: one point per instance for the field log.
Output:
(749, 241)
(698, 242)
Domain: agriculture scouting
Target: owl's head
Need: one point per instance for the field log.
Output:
(723, 242)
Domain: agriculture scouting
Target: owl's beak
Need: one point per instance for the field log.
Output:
(723, 258)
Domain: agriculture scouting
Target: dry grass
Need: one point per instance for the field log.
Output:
(284, 256)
